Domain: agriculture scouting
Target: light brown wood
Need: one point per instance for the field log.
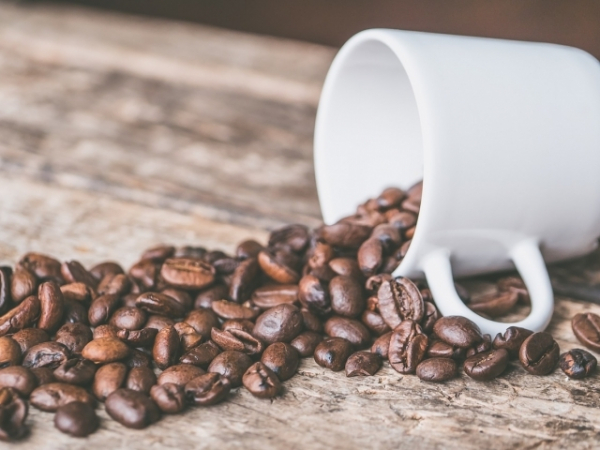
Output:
(101, 157)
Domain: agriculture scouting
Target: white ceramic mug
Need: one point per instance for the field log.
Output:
(505, 134)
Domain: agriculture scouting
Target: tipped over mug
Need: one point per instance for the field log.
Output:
(504, 134)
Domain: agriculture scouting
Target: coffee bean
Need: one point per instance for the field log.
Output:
(306, 343)
(346, 296)
(102, 331)
(119, 284)
(275, 267)
(46, 354)
(351, 330)
(295, 236)
(586, 327)
(44, 375)
(10, 352)
(430, 317)
(261, 381)
(332, 353)
(362, 364)
(205, 297)
(272, 295)
(576, 363)
(408, 345)
(44, 267)
(203, 321)
(23, 283)
(279, 324)
(108, 379)
(21, 316)
(51, 396)
(458, 331)
(539, 354)
(189, 251)
(283, 359)
(102, 308)
(243, 325)
(370, 256)
(75, 312)
(19, 378)
(495, 305)
(381, 345)
(248, 249)
(187, 273)
(159, 322)
(105, 350)
(169, 397)
(128, 318)
(511, 340)
(99, 271)
(514, 284)
(311, 321)
(484, 346)
(320, 254)
(140, 379)
(201, 355)
(313, 295)
(344, 234)
(74, 272)
(138, 358)
(76, 419)
(166, 347)
(238, 340)
(75, 371)
(208, 389)
(244, 280)
(28, 337)
(132, 409)
(232, 365)
(188, 336)
(374, 322)
(436, 370)
(158, 253)
(145, 273)
(180, 374)
(138, 338)
(13, 411)
(400, 299)
(231, 310)
(346, 267)
(439, 349)
(181, 296)
(5, 286)
(487, 365)
(157, 303)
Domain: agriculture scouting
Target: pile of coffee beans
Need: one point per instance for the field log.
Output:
(184, 326)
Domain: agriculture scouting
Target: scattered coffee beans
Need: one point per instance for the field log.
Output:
(76, 418)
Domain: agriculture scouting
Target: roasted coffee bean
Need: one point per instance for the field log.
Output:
(79, 292)
(102, 308)
(495, 305)
(306, 343)
(408, 345)
(244, 280)
(374, 283)
(244, 325)
(140, 379)
(436, 370)
(44, 267)
(166, 347)
(115, 284)
(320, 254)
(23, 283)
(370, 256)
(400, 299)
(75, 371)
(346, 296)
(313, 295)
(51, 396)
(311, 321)
(282, 359)
(576, 363)
(345, 234)
(346, 267)
(75, 312)
(10, 352)
(205, 298)
(511, 340)
(232, 365)
(539, 354)
(362, 364)
(99, 271)
(158, 322)
(403, 250)
(439, 349)
(13, 412)
(181, 296)
(44, 375)
(158, 253)
(332, 353)
(21, 316)
(390, 197)
(203, 321)
(208, 389)
(381, 345)
(74, 272)
(248, 249)
(401, 220)
(169, 397)
(5, 287)
(189, 251)
(279, 324)
(187, 273)
(351, 330)
(201, 355)
(138, 338)
(188, 336)
(138, 358)
(108, 379)
(145, 273)
(106, 330)
(213, 256)
(128, 318)
(239, 340)
(19, 378)
(132, 409)
(514, 284)
(484, 346)
(74, 336)
(157, 303)
(231, 310)
(46, 354)
(586, 327)
(458, 331)
(295, 236)
(105, 350)
(272, 295)
(274, 266)
(487, 365)
(261, 381)
(76, 419)
(374, 322)
(180, 374)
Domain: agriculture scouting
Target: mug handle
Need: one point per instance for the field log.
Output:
(530, 264)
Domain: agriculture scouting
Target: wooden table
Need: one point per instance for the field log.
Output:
(118, 133)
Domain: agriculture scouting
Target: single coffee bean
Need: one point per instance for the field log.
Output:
(311, 321)
(140, 379)
(436, 370)
(188, 336)
(275, 267)
(248, 249)
(28, 337)
(439, 349)
(181, 296)
(79, 292)
(381, 345)
(203, 321)
(351, 330)
(44, 267)
(484, 346)
(586, 327)
(166, 347)
(408, 345)
(74, 336)
(169, 397)
(539, 353)
(401, 220)
(346, 296)
(157, 303)
(159, 322)
(138, 358)
(244, 280)
(138, 338)
(74, 272)
(313, 295)
(346, 267)
(5, 295)
(128, 318)
(132, 409)
(108, 379)
(282, 359)
(374, 322)
(261, 381)
(430, 317)
(243, 325)
(189, 251)
(51, 396)
(514, 284)
(279, 324)
(10, 352)
(180, 374)
(187, 273)
(201, 355)
(320, 255)
(388, 235)
(458, 331)
(495, 305)
(76, 419)
(370, 256)
(44, 375)
(13, 411)
(332, 353)
(105, 350)
(46, 354)
(51, 306)
(102, 308)
(231, 310)
(272, 295)
(205, 297)
(21, 316)
(576, 363)
(295, 236)
(487, 365)
(208, 389)
(75, 312)
(232, 365)
(159, 253)
(400, 299)
(19, 378)
(306, 343)
(23, 283)
(390, 197)
(99, 271)
(238, 340)
(145, 273)
(362, 364)
(345, 234)
(105, 331)
(75, 371)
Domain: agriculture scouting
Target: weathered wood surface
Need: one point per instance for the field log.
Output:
(119, 133)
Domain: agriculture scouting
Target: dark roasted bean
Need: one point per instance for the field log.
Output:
(44, 267)
(586, 327)
(311, 321)
(75, 312)
(180, 374)
(514, 284)
(244, 325)
(5, 288)
(248, 249)
(400, 299)
(346, 296)
(119, 284)
(44, 375)
(244, 280)
(74, 272)
(189, 251)
(374, 322)
(23, 283)
(458, 331)
(13, 412)
(487, 365)
(436, 369)
(76, 419)
(282, 359)
(99, 271)
(231, 310)
(138, 338)
(128, 318)
(187, 273)
(145, 273)
(188, 336)
(132, 409)
(10, 352)
(232, 365)
(261, 381)
(79, 292)
(208, 389)
(381, 345)
(157, 303)
(332, 353)
(181, 296)
(201, 355)
(159, 322)
(19, 378)
(75, 371)
(313, 295)
(439, 349)
(294, 236)
(362, 364)
(205, 298)
(140, 379)
(495, 305)
(102, 308)
(370, 256)
(202, 320)
(106, 330)
(576, 363)
(105, 350)
(279, 324)
(484, 346)
(21, 316)
(108, 379)
(166, 347)
(430, 317)
(346, 267)
(239, 340)
(169, 397)
(539, 354)
(345, 234)
(158, 253)
(138, 358)
(51, 396)
(274, 266)
(272, 295)
(408, 345)
(306, 343)
(46, 354)
(350, 329)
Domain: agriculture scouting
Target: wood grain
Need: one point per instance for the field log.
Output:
(101, 158)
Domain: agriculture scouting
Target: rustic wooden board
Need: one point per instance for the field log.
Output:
(104, 152)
